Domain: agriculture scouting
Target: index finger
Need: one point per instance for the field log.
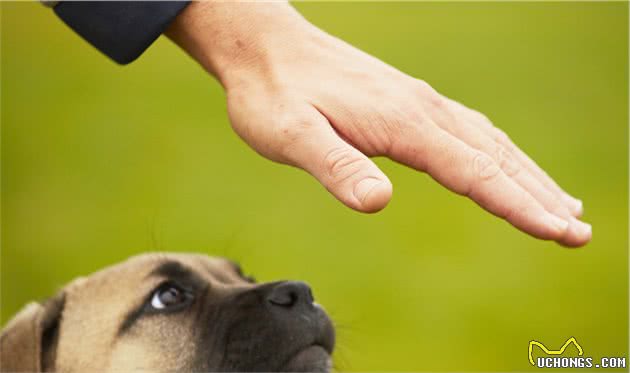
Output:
(572, 203)
(472, 173)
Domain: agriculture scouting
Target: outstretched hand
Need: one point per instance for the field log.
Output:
(302, 97)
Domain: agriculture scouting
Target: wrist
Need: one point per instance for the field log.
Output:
(233, 39)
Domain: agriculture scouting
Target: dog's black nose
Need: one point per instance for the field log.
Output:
(290, 293)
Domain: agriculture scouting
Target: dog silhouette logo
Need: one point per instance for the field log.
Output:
(553, 352)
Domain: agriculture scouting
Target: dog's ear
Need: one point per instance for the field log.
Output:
(28, 343)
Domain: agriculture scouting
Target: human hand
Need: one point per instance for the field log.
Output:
(302, 97)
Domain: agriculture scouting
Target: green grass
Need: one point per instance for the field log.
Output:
(100, 162)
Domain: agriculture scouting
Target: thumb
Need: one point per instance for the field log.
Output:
(346, 172)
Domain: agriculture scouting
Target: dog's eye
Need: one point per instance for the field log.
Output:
(169, 296)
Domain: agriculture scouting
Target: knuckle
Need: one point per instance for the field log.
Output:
(391, 128)
(501, 137)
(430, 95)
(377, 131)
(506, 161)
(482, 117)
(485, 168)
(437, 101)
(394, 125)
(423, 86)
(342, 162)
(511, 212)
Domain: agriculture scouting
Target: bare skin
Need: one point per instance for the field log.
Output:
(302, 97)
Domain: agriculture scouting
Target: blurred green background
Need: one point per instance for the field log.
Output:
(100, 162)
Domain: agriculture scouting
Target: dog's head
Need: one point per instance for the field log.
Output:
(170, 312)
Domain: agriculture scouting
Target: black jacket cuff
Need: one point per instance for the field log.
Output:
(122, 30)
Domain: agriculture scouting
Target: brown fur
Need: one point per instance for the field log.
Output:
(96, 323)
(77, 331)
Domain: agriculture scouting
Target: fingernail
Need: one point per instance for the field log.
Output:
(557, 223)
(364, 187)
(575, 205)
(581, 228)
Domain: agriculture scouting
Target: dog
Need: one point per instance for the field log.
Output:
(171, 313)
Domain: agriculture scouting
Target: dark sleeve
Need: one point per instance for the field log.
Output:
(120, 29)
